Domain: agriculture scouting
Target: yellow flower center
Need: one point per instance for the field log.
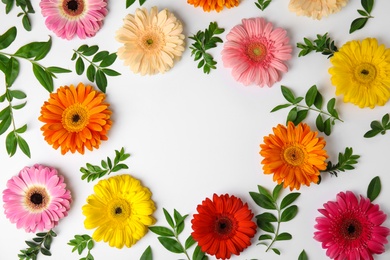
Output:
(294, 155)
(75, 117)
(36, 199)
(365, 73)
(72, 8)
(256, 51)
(119, 210)
(152, 41)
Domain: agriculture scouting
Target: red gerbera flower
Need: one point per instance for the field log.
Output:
(223, 226)
(351, 229)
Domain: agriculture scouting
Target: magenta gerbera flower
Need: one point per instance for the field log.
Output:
(66, 18)
(256, 52)
(351, 229)
(36, 199)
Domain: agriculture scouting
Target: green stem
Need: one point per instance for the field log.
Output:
(277, 228)
(85, 58)
(319, 111)
(184, 250)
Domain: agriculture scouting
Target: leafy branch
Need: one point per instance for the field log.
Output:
(360, 22)
(79, 243)
(378, 127)
(9, 65)
(93, 172)
(40, 244)
(262, 4)
(312, 98)
(284, 213)
(26, 7)
(130, 2)
(95, 73)
(346, 161)
(323, 44)
(203, 42)
(169, 237)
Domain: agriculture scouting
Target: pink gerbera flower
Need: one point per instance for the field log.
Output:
(36, 199)
(256, 52)
(69, 17)
(351, 229)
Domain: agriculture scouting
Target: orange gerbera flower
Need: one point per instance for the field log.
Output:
(75, 118)
(294, 154)
(210, 5)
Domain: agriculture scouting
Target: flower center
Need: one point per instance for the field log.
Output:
(119, 210)
(36, 199)
(256, 51)
(351, 229)
(365, 73)
(75, 118)
(224, 226)
(294, 155)
(151, 42)
(73, 7)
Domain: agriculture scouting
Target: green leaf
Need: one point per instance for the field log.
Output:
(11, 144)
(276, 191)
(327, 127)
(100, 56)
(357, 24)
(80, 66)
(189, 242)
(91, 50)
(34, 49)
(318, 100)
(24, 146)
(5, 124)
(311, 96)
(265, 237)
(289, 213)
(26, 22)
(43, 77)
(129, 3)
(47, 242)
(12, 71)
(18, 94)
(111, 72)
(8, 37)
(44, 251)
(289, 199)
(283, 236)
(198, 254)
(267, 217)
(262, 200)
(276, 251)
(292, 115)
(168, 218)
(109, 60)
(280, 107)
(56, 70)
(374, 188)
(91, 72)
(6, 112)
(303, 256)
(101, 81)
(266, 226)
(287, 94)
(147, 254)
(162, 231)
(367, 5)
(301, 115)
(372, 133)
(141, 2)
(171, 244)
(385, 119)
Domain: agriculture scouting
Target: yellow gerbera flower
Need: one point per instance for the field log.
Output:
(152, 41)
(361, 72)
(217, 5)
(316, 9)
(294, 154)
(75, 117)
(120, 210)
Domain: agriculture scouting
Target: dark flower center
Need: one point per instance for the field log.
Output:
(36, 198)
(223, 226)
(365, 72)
(351, 229)
(73, 7)
(118, 210)
(149, 41)
(76, 118)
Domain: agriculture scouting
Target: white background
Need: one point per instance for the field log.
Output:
(190, 134)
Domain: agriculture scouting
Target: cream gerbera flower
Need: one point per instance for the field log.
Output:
(316, 9)
(152, 41)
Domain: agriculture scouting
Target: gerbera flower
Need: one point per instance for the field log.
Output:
(351, 229)
(223, 226)
(361, 72)
(294, 155)
(256, 52)
(75, 117)
(316, 9)
(152, 41)
(36, 199)
(216, 5)
(120, 210)
(66, 18)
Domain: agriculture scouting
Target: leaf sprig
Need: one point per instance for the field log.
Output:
(346, 161)
(378, 127)
(40, 244)
(324, 121)
(93, 172)
(130, 2)
(284, 213)
(205, 41)
(26, 7)
(169, 236)
(81, 242)
(97, 70)
(10, 66)
(323, 44)
(360, 22)
(262, 4)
